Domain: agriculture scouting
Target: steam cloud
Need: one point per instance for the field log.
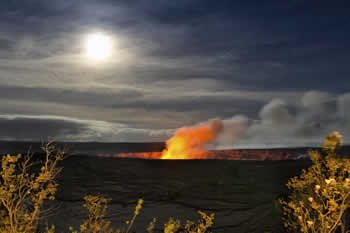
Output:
(282, 125)
(279, 124)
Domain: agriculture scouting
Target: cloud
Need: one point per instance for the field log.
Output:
(179, 63)
(235, 128)
(343, 103)
(96, 96)
(183, 41)
(133, 106)
(317, 114)
(275, 121)
(314, 116)
(317, 101)
(45, 127)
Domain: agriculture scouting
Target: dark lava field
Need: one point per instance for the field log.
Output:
(242, 194)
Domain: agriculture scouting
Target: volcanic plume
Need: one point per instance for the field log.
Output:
(191, 142)
(188, 142)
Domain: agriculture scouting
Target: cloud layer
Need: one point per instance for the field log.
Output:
(305, 123)
(174, 64)
(44, 128)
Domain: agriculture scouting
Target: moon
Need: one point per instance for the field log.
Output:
(98, 46)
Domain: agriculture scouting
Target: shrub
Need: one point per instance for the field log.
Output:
(320, 196)
(97, 206)
(22, 191)
(96, 223)
(174, 226)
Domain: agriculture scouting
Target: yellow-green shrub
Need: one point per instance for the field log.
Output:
(174, 226)
(23, 192)
(97, 206)
(320, 196)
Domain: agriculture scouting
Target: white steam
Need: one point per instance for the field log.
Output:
(282, 125)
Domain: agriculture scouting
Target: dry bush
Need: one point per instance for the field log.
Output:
(96, 223)
(174, 226)
(23, 191)
(97, 206)
(320, 196)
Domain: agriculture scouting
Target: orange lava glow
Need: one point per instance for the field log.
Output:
(239, 154)
(188, 142)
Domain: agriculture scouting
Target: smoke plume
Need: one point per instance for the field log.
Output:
(279, 124)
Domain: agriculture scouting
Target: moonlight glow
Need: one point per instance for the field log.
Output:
(98, 46)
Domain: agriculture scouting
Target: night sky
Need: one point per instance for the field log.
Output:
(276, 72)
